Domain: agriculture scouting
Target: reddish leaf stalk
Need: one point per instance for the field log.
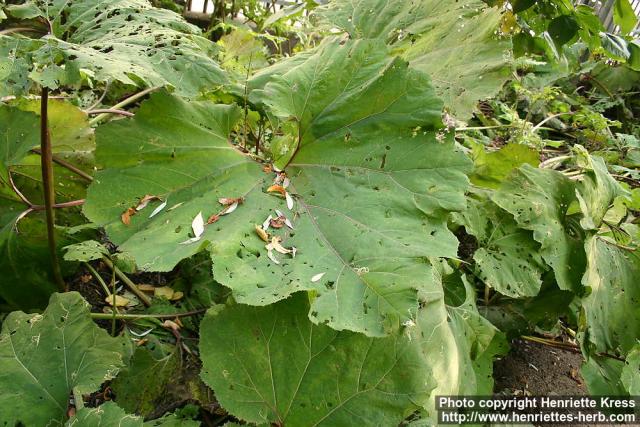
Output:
(46, 162)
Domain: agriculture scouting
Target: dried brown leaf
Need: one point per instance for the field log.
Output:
(277, 189)
(262, 233)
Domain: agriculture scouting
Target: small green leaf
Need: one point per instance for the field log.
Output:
(508, 257)
(539, 200)
(86, 251)
(563, 28)
(143, 382)
(522, 5)
(491, 168)
(615, 46)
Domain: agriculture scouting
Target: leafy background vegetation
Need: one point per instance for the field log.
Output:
(310, 215)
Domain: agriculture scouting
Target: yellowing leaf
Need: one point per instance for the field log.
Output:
(163, 292)
(119, 301)
(262, 233)
(126, 216)
(145, 201)
(277, 189)
(146, 288)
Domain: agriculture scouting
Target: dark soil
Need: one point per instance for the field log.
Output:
(535, 369)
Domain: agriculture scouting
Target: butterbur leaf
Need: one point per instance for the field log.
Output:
(270, 364)
(181, 169)
(110, 414)
(612, 318)
(19, 131)
(630, 375)
(25, 257)
(142, 384)
(126, 40)
(539, 201)
(454, 41)
(602, 376)
(388, 188)
(44, 357)
(86, 251)
(107, 414)
(507, 258)
(597, 190)
(492, 168)
(453, 332)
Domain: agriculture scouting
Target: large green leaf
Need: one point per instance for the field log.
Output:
(630, 376)
(19, 133)
(612, 308)
(25, 266)
(596, 191)
(372, 192)
(539, 200)
(125, 40)
(271, 365)
(602, 376)
(144, 381)
(455, 42)
(109, 414)
(71, 134)
(458, 343)
(44, 357)
(507, 257)
(24, 254)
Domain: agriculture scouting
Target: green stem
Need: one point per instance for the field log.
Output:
(98, 277)
(132, 286)
(107, 316)
(536, 127)
(77, 397)
(97, 119)
(113, 304)
(46, 163)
